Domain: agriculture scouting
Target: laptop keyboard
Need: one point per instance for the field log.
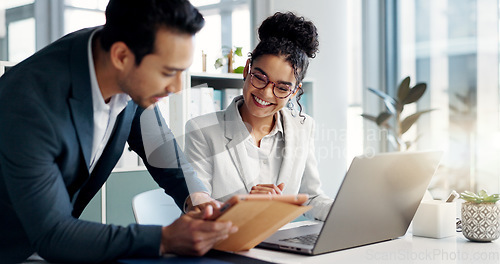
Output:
(304, 240)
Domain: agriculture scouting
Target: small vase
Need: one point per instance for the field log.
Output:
(481, 221)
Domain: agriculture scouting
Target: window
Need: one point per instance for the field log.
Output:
(17, 29)
(21, 41)
(25, 26)
(82, 14)
(453, 46)
(227, 25)
(227, 20)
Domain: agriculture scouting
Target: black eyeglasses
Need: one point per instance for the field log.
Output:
(260, 81)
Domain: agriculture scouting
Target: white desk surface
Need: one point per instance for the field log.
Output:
(407, 249)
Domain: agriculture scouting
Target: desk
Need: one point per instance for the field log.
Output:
(407, 249)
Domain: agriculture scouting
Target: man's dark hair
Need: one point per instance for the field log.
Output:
(135, 22)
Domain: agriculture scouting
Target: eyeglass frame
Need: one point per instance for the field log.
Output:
(291, 91)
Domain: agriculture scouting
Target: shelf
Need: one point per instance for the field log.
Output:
(217, 81)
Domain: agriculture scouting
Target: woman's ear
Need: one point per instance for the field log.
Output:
(246, 70)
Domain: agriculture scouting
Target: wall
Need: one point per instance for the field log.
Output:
(121, 187)
(329, 72)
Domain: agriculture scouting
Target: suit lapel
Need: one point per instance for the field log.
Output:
(235, 146)
(81, 96)
(288, 162)
(108, 159)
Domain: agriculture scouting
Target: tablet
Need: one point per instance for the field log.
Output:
(297, 199)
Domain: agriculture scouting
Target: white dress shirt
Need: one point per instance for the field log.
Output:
(265, 160)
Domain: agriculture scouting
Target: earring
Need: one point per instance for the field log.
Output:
(291, 107)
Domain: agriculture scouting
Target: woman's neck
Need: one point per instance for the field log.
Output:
(259, 126)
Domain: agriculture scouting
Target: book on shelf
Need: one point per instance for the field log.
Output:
(202, 100)
(228, 94)
(217, 100)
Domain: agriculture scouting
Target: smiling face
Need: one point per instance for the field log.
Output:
(261, 104)
(160, 72)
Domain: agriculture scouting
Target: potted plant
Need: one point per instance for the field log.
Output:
(394, 108)
(229, 54)
(480, 216)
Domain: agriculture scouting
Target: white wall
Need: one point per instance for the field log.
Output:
(329, 72)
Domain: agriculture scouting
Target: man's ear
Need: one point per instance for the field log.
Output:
(120, 55)
(246, 70)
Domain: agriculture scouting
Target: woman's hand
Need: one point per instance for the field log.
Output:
(267, 189)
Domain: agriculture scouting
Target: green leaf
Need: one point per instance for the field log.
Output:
(404, 89)
(238, 51)
(480, 197)
(411, 119)
(218, 63)
(383, 118)
(389, 102)
(469, 193)
(412, 142)
(454, 109)
(415, 93)
(369, 117)
(463, 99)
(408, 144)
(239, 69)
(399, 107)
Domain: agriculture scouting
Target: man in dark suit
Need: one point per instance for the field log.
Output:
(65, 115)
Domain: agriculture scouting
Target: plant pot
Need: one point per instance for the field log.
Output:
(481, 221)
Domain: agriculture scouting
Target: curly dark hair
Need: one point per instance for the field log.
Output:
(291, 36)
(135, 22)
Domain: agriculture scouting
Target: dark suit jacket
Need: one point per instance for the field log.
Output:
(46, 132)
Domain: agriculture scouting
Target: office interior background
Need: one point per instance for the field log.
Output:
(452, 46)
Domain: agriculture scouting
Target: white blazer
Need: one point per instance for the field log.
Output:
(214, 146)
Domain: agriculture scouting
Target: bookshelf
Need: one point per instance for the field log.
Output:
(217, 81)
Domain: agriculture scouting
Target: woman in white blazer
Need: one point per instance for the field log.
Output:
(254, 145)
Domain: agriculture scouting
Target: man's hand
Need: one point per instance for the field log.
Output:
(267, 189)
(192, 235)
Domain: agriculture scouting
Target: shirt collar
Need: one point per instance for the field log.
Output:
(278, 125)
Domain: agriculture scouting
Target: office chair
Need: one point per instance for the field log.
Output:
(155, 207)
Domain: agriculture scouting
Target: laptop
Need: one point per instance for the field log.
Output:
(376, 202)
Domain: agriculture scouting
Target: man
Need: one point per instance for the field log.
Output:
(65, 116)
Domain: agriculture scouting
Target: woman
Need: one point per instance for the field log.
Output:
(254, 145)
